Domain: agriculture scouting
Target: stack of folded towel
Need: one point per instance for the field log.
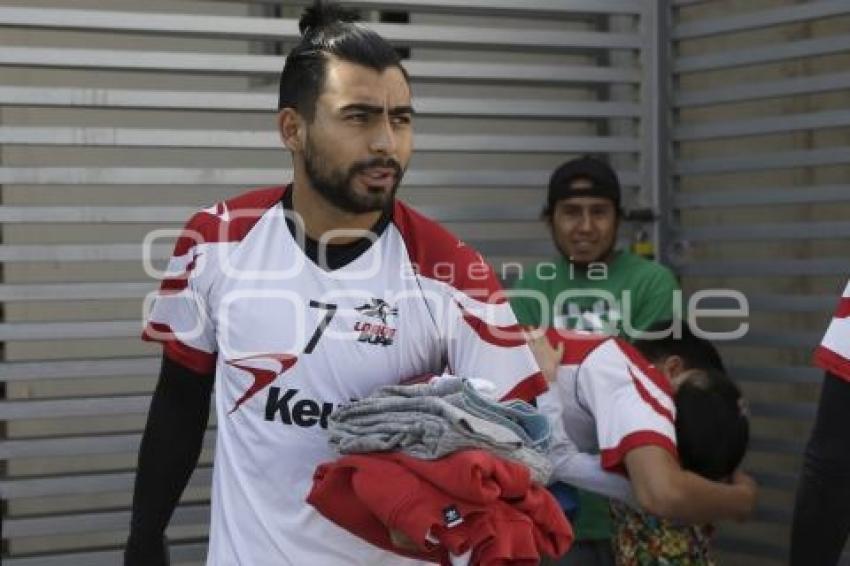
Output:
(458, 475)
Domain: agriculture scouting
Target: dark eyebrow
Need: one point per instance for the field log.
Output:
(374, 109)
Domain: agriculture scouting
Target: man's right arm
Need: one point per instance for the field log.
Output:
(664, 489)
(169, 451)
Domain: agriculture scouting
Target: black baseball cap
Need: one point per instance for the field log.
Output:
(603, 179)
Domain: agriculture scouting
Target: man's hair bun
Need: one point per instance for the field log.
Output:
(321, 15)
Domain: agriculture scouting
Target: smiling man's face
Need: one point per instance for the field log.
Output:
(585, 228)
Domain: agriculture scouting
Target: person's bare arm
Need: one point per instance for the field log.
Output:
(663, 488)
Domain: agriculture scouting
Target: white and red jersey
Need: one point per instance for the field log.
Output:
(833, 354)
(609, 398)
(289, 342)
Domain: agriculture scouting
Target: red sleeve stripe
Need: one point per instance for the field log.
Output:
(843, 310)
(650, 400)
(528, 388)
(648, 369)
(832, 362)
(613, 459)
(192, 358)
(173, 285)
(577, 345)
(503, 336)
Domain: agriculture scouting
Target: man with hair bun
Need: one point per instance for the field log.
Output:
(296, 299)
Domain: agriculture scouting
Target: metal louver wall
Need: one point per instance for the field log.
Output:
(760, 203)
(119, 117)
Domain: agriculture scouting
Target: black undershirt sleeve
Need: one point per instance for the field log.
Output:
(822, 510)
(169, 451)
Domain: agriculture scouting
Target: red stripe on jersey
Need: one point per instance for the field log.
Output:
(650, 400)
(437, 254)
(171, 286)
(179, 282)
(527, 389)
(843, 310)
(228, 221)
(613, 459)
(832, 362)
(502, 336)
(577, 345)
(647, 368)
(262, 377)
(187, 356)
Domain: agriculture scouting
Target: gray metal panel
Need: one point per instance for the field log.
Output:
(89, 406)
(758, 55)
(11, 331)
(229, 64)
(761, 267)
(85, 484)
(764, 161)
(761, 19)
(782, 339)
(498, 7)
(774, 409)
(776, 480)
(775, 303)
(232, 27)
(71, 253)
(93, 214)
(808, 375)
(780, 231)
(792, 303)
(657, 91)
(79, 445)
(764, 89)
(515, 248)
(179, 553)
(74, 292)
(133, 252)
(762, 126)
(141, 214)
(735, 197)
(252, 140)
(203, 100)
(71, 369)
(94, 522)
(514, 178)
(777, 445)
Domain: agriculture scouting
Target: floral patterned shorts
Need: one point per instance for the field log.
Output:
(645, 540)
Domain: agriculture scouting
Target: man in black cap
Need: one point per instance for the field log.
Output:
(591, 287)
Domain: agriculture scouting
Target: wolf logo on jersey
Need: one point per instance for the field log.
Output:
(378, 308)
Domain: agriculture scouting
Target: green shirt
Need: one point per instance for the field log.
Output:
(598, 299)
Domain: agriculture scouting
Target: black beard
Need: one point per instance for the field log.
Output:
(337, 188)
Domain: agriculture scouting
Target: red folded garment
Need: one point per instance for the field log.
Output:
(474, 475)
(469, 499)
